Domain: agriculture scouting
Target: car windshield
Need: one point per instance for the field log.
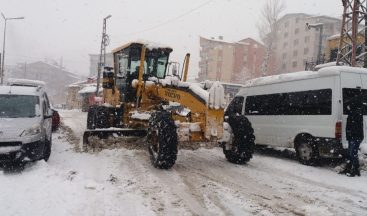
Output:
(18, 106)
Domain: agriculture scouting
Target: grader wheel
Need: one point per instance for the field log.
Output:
(162, 139)
(243, 142)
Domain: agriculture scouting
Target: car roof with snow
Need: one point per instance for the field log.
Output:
(19, 90)
(302, 75)
(25, 82)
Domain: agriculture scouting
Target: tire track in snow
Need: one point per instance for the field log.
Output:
(269, 174)
(166, 191)
(226, 174)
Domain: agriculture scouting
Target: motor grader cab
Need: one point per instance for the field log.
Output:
(142, 99)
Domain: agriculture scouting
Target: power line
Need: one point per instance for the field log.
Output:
(170, 20)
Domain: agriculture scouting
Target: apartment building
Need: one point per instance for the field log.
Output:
(231, 62)
(296, 43)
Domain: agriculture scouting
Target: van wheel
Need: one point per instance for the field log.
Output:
(243, 142)
(162, 139)
(306, 150)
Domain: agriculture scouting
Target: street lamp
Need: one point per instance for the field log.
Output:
(321, 27)
(3, 54)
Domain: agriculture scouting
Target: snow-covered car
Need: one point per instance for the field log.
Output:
(25, 124)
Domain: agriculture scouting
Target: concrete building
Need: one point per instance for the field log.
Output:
(55, 77)
(231, 62)
(94, 60)
(296, 43)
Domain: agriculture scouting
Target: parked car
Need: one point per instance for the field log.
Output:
(25, 124)
(55, 120)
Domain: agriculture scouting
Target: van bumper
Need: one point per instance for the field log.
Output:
(21, 152)
(330, 148)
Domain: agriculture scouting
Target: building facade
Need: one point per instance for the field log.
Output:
(55, 77)
(296, 43)
(231, 62)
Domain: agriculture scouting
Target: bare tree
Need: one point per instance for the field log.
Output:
(268, 27)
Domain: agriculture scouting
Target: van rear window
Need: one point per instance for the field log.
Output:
(313, 102)
(350, 94)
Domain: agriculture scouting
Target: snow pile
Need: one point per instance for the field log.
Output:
(216, 96)
(329, 64)
(140, 115)
(174, 81)
(323, 72)
(89, 89)
(196, 88)
(152, 45)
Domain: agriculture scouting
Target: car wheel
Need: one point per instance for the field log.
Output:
(47, 149)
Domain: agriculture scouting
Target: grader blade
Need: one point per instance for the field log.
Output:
(118, 132)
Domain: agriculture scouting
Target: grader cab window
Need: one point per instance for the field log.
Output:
(156, 63)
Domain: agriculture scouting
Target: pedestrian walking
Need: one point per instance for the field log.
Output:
(354, 135)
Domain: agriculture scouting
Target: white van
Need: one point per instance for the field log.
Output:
(25, 123)
(303, 110)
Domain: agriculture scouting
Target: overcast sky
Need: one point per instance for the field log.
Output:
(71, 29)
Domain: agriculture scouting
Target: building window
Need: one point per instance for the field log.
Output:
(296, 31)
(295, 53)
(295, 42)
(294, 64)
(286, 24)
(306, 50)
(297, 19)
(307, 39)
(284, 55)
(284, 66)
(285, 45)
(285, 34)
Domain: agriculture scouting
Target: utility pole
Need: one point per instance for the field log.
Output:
(354, 13)
(3, 54)
(102, 55)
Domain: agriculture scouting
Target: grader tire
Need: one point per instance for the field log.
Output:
(91, 117)
(101, 117)
(162, 139)
(243, 143)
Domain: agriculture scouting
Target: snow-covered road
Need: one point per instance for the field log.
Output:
(202, 182)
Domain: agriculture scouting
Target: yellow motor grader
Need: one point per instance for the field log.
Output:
(145, 95)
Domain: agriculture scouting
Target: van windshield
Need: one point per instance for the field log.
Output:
(18, 106)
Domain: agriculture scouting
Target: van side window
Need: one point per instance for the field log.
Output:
(313, 102)
(349, 94)
(235, 107)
